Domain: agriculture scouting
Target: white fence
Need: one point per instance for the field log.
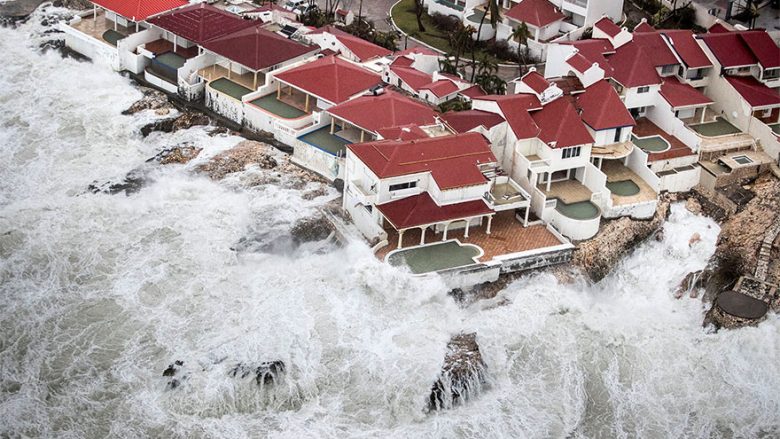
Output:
(98, 51)
(768, 138)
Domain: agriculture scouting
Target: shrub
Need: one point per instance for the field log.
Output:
(445, 23)
(501, 50)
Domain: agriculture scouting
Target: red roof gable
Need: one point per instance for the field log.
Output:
(579, 63)
(474, 91)
(386, 110)
(330, 78)
(536, 82)
(654, 45)
(729, 49)
(686, 47)
(559, 122)
(139, 10)
(755, 93)
(594, 51)
(452, 160)
(441, 88)
(644, 27)
(404, 132)
(201, 22)
(718, 28)
(364, 50)
(602, 108)
(608, 27)
(679, 95)
(763, 48)
(412, 77)
(633, 66)
(537, 13)
(463, 121)
(419, 210)
(257, 48)
(515, 110)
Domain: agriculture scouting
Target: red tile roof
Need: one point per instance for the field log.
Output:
(412, 77)
(139, 10)
(608, 27)
(602, 108)
(755, 93)
(330, 78)
(420, 210)
(474, 91)
(537, 13)
(686, 47)
(633, 66)
(718, 28)
(389, 109)
(730, 49)
(463, 121)
(536, 82)
(595, 51)
(257, 48)
(579, 63)
(201, 22)
(452, 160)
(655, 46)
(763, 48)
(559, 122)
(515, 110)
(679, 95)
(364, 50)
(643, 27)
(404, 132)
(441, 88)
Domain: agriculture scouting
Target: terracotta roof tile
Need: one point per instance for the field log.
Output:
(330, 78)
(608, 27)
(463, 121)
(538, 13)
(419, 210)
(139, 10)
(389, 109)
(678, 94)
(201, 22)
(755, 93)
(257, 48)
(602, 108)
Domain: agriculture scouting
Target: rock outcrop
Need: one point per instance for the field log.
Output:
(616, 238)
(315, 228)
(178, 154)
(78, 5)
(462, 376)
(132, 182)
(186, 120)
(152, 100)
(266, 373)
(237, 159)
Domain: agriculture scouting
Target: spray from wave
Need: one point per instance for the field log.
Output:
(101, 293)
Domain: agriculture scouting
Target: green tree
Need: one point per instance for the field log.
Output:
(521, 34)
(492, 10)
(418, 11)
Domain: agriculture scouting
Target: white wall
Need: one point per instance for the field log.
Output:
(767, 138)
(637, 162)
(634, 99)
(225, 105)
(663, 116)
(98, 51)
(128, 59)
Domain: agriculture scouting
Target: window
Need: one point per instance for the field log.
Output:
(644, 89)
(569, 153)
(402, 186)
(668, 70)
(771, 74)
(618, 132)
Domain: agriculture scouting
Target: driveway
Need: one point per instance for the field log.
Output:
(377, 11)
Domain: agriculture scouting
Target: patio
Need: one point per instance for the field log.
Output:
(618, 173)
(717, 128)
(161, 46)
(612, 151)
(98, 27)
(568, 191)
(246, 80)
(507, 236)
(645, 128)
(324, 140)
(279, 108)
(230, 88)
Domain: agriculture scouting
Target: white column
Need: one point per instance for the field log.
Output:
(549, 180)
(136, 26)
(332, 126)
(446, 227)
(703, 113)
(490, 222)
(94, 13)
(175, 43)
(466, 234)
(422, 235)
(400, 238)
(527, 212)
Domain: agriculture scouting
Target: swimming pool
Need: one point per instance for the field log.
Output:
(230, 88)
(582, 210)
(623, 188)
(720, 127)
(651, 143)
(435, 257)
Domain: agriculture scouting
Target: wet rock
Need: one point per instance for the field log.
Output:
(152, 100)
(311, 229)
(462, 376)
(265, 374)
(60, 47)
(271, 243)
(73, 4)
(659, 235)
(218, 131)
(162, 111)
(178, 154)
(339, 184)
(187, 120)
(238, 159)
(693, 206)
(314, 193)
(170, 371)
(616, 239)
(130, 184)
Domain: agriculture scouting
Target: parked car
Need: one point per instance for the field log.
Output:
(292, 5)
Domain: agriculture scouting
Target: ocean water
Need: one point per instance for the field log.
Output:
(99, 293)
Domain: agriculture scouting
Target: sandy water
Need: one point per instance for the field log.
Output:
(100, 293)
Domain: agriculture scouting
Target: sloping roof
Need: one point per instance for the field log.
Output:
(364, 50)
(655, 46)
(463, 121)
(679, 95)
(633, 66)
(441, 88)
(608, 27)
(602, 108)
(257, 48)
(404, 132)
(579, 63)
(389, 109)
(419, 210)
(594, 51)
(559, 122)
(452, 160)
(201, 22)
(763, 48)
(330, 78)
(644, 27)
(474, 91)
(755, 93)
(536, 82)
(537, 13)
(686, 47)
(729, 49)
(411, 76)
(515, 110)
(718, 28)
(139, 10)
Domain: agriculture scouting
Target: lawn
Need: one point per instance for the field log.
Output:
(406, 20)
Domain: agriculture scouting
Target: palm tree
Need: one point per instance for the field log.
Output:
(418, 11)
(460, 39)
(494, 11)
(520, 34)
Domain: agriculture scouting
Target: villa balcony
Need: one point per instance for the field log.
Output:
(625, 186)
(570, 208)
(612, 151)
(100, 28)
(246, 80)
(506, 194)
(362, 195)
(537, 163)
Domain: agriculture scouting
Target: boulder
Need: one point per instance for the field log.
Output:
(187, 120)
(178, 154)
(152, 100)
(238, 159)
(311, 229)
(462, 376)
(78, 5)
(693, 206)
(265, 374)
(130, 184)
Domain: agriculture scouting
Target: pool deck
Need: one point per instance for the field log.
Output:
(233, 89)
(507, 236)
(96, 28)
(645, 128)
(324, 140)
(569, 191)
(616, 171)
(215, 72)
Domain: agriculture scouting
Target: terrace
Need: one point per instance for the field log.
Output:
(717, 128)
(230, 88)
(97, 26)
(507, 236)
(324, 140)
(651, 139)
(568, 191)
(612, 151)
(625, 185)
(161, 46)
(278, 107)
(246, 80)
